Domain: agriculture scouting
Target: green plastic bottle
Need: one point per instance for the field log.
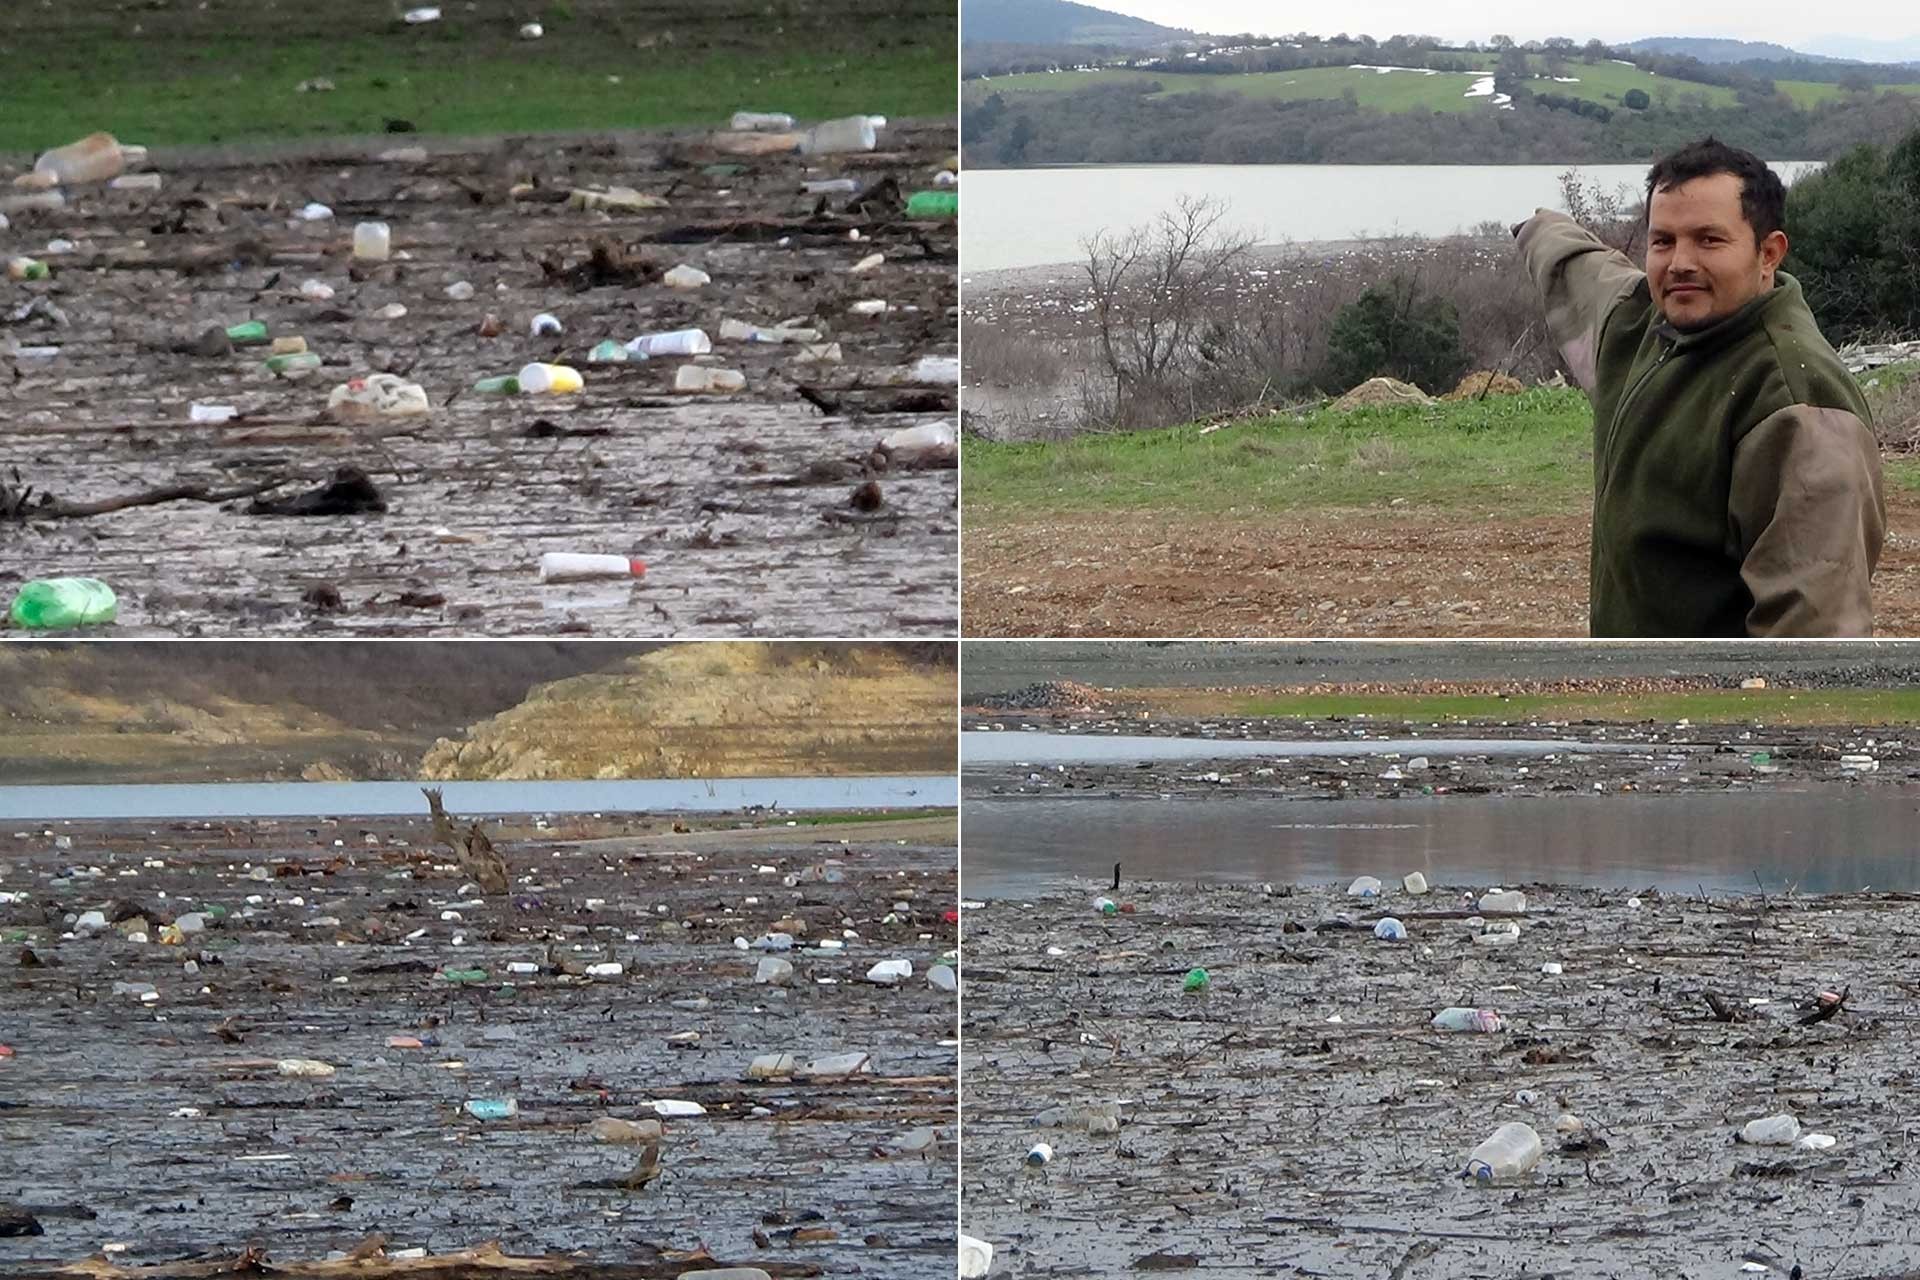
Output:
(507, 385)
(607, 352)
(251, 334)
(1196, 980)
(64, 602)
(301, 362)
(933, 204)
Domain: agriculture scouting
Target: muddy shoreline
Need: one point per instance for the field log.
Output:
(167, 1127)
(1301, 1117)
(1637, 758)
(740, 505)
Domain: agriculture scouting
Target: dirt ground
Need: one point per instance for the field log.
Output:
(167, 1129)
(742, 506)
(1321, 573)
(1302, 1118)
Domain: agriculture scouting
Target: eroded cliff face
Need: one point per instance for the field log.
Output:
(721, 710)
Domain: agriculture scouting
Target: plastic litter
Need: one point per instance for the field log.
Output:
(929, 444)
(870, 307)
(531, 31)
(1511, 901)
(293, 366)
(305, 1067)
(379, 395)
(679, 342)
(94, 158)
(672, 1108)
(573, 566)
(1414, 883)
(136, 182)
(1389, 929)
(1456, 1018)
(1196, 980)
(613, 1129)
(608, 351)
(549, 379)
(839, 1064)
(460, 291)
(761, 121)
(933, 205)
(686, 277)
(314, 212)
(831, 137)
(1364, 887)
(741, 331)
(1039, 1154)
(415, 17)
(889, 972)
(774, 971)
(976, 1258)
(26, 269)
(65, 602)
(1513, 1150)
(701, 379)
(372, 242)
(942, 978)
(1771, 1131)
(211, 413)
(492, 1108)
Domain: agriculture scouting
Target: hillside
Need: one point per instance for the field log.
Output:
(1713, 50)
(1056, 22)
(722, 710)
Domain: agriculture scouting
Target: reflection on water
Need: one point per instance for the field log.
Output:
(307, 799)
(979, 747)
(1821, 840)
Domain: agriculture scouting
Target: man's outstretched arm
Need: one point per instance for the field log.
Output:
(1581, 281)
(1808, 516)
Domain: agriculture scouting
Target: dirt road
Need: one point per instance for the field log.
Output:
(1320, 573)
(1301, 1117)
(169, 1126)
(741, 505)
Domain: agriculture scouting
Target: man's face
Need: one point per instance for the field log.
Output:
(1703, 261)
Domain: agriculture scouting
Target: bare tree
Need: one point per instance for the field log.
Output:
(1152, 290)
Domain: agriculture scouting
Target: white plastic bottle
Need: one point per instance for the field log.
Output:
(1771, 1131)
(693, 377)
(1513, 1149)
(372, 242)
(680, 342)
(831, 137)
(762, 121)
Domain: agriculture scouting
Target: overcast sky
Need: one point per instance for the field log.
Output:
(1794, 25)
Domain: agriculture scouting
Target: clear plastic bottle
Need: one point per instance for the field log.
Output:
(1771, 1131)
(94, 158)
(1462, 1019)
(830, 137)
(693, 377)
(680, 342)
(64, 602)
(372, 242)
(1504, 900)
(762, 121)
(1513, 1149)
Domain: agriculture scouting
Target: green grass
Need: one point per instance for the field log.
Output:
(191, 84)
(1520, 454)
(1704, 706)
(851, 819)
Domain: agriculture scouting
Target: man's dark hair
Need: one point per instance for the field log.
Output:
(1763, 197)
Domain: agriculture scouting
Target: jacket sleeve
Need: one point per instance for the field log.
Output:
(1808, 516)
(1581, 280)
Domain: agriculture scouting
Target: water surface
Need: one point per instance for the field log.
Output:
(979, 747)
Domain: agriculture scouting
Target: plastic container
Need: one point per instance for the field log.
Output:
(549, 379)
(545, 326)
(1504, 901)
(1414, 883)
(252, 333)
(686, 277)
(976, 1258)
(569, 566)
(64, 602)
(531, 31)
(699, 378)
(679, 342)
(1389, 929)
(741, 331)
(1513, 1150)
(927, 444)
(932, 206)
(1196, 980)
(1497, 938)
(773, 971)
(940, 371)
(833, 137)
(492, 1108)
(888, 972)
(212, 413)
(136, 182)
(293, 365)
(1771, 1131)
(761, 121)
(1039, 1154)
(26, 269)
(870, 307)
(830, 187)
(607, 352)
(506, 385)
(94, 158)
(1456, 1018)
(372, 242)
(1364, 887)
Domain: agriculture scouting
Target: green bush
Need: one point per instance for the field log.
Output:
(1636, 100)
(1397, 331)
(1854, 241)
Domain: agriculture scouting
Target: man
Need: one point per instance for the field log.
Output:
(1736, 479)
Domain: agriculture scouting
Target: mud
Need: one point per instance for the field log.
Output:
(1301, 1117)
(1598, 758)
(94, 1098)
(740, 505)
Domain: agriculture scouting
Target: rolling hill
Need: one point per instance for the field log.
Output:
(1717, 51)
(1057, 22)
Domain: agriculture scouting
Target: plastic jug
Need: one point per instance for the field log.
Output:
(1513, 1149)
(64, 602)
(851, 133)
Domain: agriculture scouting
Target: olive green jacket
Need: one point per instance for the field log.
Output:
(1736, 477)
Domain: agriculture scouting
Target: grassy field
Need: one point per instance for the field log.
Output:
(1604, 82)
(1530, 454)
(227, 70)
(1703, 706)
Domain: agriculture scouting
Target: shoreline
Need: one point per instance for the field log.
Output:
(1026, 279)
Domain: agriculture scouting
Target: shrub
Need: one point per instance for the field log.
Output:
(1636, 100)
(1400, 331)
(1854, 233)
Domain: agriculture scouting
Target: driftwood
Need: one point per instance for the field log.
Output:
(486, 1262)
(17, 501)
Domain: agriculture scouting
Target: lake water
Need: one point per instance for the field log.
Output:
(312, 799)
(1822, 840)
(1035, 217)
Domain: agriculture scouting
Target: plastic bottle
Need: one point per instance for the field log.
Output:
(1456, 1018)
(933, 205)
(761, 121)
(699, 378)
(943, 371)
(1509, 901)
(888, 972)
(1388, 929)
(1039, 1154)
(679, 342)
(289, 366)
(1414, 883)
(252, 333)
(1513, 1149)
(607, 352)
(544, 325)
(1771, 1131)
(506, 385)
(830, 137)
(686, 277)
(26, 269)
(571, 566)
(830, 187)
(94, 158)
(64, 602)
(870, 307)
(372, 242)
(928, 443)
(774, 971)
(542, 379)
(1364, 887)
(493, 1108)
(741, 331)
(976, 1258)
(1196, 980)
